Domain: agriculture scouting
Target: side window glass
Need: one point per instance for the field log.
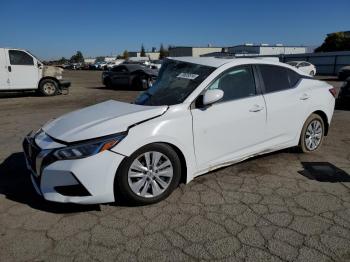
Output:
(117, 69)
(276, 78)
(293, 78)
(236, 83)
(20, 58)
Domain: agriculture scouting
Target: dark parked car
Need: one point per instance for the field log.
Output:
(343, 100)
(344, 73)
(129, 75)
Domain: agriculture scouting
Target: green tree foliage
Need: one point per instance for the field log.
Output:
(163, 52)
(77, 58)
(62, 61)
(143, 52)
(335, 42)
(126, 54)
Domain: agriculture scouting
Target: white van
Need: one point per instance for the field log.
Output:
(21, 71)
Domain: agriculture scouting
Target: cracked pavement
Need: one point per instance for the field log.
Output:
(263, 209)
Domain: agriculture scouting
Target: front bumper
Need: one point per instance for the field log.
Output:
(85, 181)
(64, 84)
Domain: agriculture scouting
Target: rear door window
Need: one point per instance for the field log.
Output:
(20, 58)
(276, 78)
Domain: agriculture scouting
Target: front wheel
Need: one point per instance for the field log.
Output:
(149, 175)
(312, 134)
(48, 87)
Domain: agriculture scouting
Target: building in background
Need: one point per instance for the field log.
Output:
(192, 51)
(110, 58)
(89, 60)
(150, 55)
(266, 49)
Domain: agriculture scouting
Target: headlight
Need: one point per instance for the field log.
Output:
(88, 149)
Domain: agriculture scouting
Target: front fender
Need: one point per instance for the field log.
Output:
(177, 132)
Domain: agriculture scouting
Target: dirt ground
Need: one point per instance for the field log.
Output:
(270, 208)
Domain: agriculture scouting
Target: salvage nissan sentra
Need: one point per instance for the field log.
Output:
(200, 114)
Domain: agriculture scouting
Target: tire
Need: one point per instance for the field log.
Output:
(141, 82)
(142, 187)
(312, 134)
(108, 83)
(48, 87)
(312, 73)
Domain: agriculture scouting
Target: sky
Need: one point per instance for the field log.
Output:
(52, 29)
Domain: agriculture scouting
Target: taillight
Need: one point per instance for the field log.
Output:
(333, 92)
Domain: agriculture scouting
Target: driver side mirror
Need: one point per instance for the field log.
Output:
(212, 96)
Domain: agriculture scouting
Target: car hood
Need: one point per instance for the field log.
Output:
(99, 120)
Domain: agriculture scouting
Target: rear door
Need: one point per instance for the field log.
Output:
(286, 101)
(4, 76)
(23, 70)
(120, 76)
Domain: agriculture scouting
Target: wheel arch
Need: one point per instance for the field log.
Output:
(49, 78)
(177, 150)
(324, 118)
(183, 178)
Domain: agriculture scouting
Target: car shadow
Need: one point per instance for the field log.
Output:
(4, 95)
(324, 172)
(16, 185)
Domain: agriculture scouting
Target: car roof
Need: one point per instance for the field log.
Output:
(233, 61)
(132, 67)
(297, 61)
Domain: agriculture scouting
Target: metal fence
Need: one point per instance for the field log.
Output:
(326, 63)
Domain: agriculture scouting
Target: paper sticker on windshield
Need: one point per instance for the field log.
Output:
(187, 76)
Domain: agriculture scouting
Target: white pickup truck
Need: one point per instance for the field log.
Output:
(21, 71)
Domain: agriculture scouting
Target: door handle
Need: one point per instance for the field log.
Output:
(9, 68)
(304, 97)
(256, 108)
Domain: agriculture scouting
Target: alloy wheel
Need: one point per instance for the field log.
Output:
(150, 174)
(313, 136)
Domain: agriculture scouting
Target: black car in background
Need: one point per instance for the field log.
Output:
(344, 73)
(343, 100)
(134, 76)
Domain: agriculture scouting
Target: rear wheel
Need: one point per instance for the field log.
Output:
(48, 87)
(149, 175)
(108, 83)
(312, 134)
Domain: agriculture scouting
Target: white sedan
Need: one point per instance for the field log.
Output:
(303, 66)
(201, 114)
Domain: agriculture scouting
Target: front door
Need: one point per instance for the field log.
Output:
(233, 127)
(23, 70)
(4, 76)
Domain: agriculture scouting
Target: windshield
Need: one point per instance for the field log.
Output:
(175, 82)
(292, 63)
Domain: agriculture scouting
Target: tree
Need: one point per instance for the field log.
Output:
(162, 52)
(335, 42)
(62, 61)
(126, 54)
(77, 58)
(143, 52)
